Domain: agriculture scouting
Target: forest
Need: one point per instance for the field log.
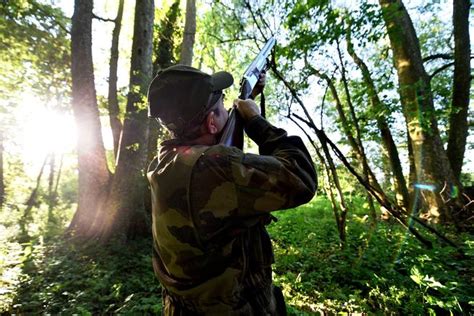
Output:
(379, 91)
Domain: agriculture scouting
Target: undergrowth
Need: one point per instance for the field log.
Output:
(70, 279)
(380, 269)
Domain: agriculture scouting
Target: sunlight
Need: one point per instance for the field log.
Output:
(43, 130)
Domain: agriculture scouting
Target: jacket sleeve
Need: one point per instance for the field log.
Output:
(281, 177)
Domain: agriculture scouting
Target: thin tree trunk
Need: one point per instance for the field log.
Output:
(367, 172)
(51, 218)
(114, 110)
(340, 210)
(341, 217)
(434, 174)
(414, 204)
(58, 177)
(189, 34)
(347, 130)
(126, 216)
(328, 187)
(92, 164)
(458, 122)
(30, 203)
(386, 135)
(51, 189)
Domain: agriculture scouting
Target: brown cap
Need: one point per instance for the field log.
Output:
(181, 94)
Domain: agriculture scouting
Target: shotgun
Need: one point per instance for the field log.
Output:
(233, 133)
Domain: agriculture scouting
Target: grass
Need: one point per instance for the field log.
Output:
(380, 270)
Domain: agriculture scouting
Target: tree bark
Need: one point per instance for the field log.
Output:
(434, 175)
(92, 164)
(458, 122)
(126, 216)
(114, 111)
(189, 34)
(383, 126)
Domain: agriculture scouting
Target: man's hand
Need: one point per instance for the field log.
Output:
(246, 108)
(260, 85)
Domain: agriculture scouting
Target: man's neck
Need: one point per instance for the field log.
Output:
(206, 140)
(203, 140)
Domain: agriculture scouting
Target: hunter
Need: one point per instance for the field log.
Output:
(212, 253)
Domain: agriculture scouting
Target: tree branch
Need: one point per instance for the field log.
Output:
(58, 23)
(438, 56)
(247, 4)
(442, 68)
(393, 209)
(102, 19)
(229, 40)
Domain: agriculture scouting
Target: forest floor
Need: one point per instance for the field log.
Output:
(381, 269)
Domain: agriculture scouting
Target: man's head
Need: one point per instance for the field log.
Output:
(183, 97)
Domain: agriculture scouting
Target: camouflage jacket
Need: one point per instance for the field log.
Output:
(210, 205)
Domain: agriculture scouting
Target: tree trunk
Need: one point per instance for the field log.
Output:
(2, 183)
(189, 34)
(51, 218)
(358, 150)
(92, 164)
(163, 46)
(125, 209)
(26, 217)
(412, 168)
(342, 215)
(385, 133)
(340, 210)
(368, 174)
(114, 110)
(434, 175)
(458, 123)
(51, 188)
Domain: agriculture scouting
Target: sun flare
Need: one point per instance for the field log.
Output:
(44, 130)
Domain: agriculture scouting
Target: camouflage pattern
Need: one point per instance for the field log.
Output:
(212, 253)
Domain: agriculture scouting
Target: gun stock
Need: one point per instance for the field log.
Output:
(233, 133)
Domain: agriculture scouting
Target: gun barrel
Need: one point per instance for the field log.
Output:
(233, 133)
(253, 71)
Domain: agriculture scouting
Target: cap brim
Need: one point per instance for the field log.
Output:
(221, 80)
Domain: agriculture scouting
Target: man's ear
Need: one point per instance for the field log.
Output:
(211, 123)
